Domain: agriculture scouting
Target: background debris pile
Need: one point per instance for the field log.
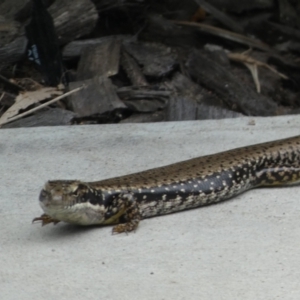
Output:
(145, 61)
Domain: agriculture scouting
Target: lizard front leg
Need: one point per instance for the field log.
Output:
(130, 218)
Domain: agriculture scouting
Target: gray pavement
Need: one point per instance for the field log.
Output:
(244, 248)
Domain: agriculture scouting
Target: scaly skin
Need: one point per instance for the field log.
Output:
(125, 200)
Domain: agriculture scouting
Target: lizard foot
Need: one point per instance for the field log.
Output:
(45, 219)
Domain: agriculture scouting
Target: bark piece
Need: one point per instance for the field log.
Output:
(241, 6)
(184, 100)
(288, 14)
(146, 105)
(220, 16)
(208, 112)
(157, 116)
(11, 85)
(98, 96)
(193, 102)
(288, 67)
(7, 99)
(141, 93)
(220, 81)
(273, 33)
(13, 44)
(99, 60)
(48, 117)
(181, 107)
(110, 4)
(74, 48)
(157, 60)
(289, 46)
(73, 18)
(143, 99)
(14, 9)
(162, 30)
(133, 70)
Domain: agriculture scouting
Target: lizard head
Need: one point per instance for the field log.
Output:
(72, 201)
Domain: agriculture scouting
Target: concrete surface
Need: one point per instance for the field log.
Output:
(245, 248)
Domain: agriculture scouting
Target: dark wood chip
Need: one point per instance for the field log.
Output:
(80, 19)
(157, 60)
(99, 60)
(98, 97)
(237, 96)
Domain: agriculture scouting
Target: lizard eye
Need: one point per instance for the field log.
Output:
(79, 189)
(75, 192)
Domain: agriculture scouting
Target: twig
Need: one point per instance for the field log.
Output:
(226, 34)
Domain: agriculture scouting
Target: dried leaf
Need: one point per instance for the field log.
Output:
(252, 64)
(26, 99)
